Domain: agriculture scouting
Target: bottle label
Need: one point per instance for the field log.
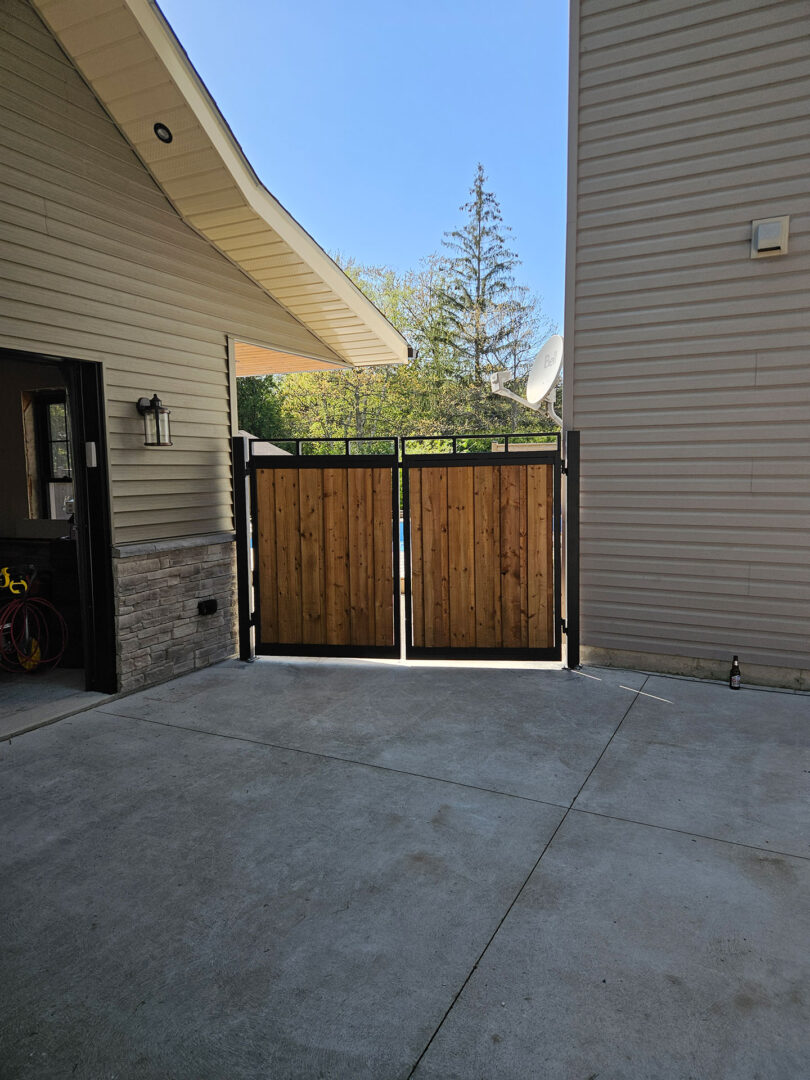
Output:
(735, 682)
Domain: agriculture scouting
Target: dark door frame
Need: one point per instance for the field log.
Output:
(84, 380)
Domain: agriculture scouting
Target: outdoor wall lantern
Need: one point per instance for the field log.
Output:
(156, 430)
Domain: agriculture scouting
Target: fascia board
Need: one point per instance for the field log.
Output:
(172, 55)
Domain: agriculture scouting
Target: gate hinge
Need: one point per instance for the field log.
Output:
(563, 626)
(563, 468)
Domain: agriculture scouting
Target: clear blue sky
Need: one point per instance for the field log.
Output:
(367, 120)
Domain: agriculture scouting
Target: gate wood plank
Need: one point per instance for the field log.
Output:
(540, 492)
(288, 551)
(434, 545)
(336, 557)
(524, 561)
(312, 562)
(417, 584)
(510, 556)
(429, 561)
(265, 553)
(361, 547)
(547, 525)
(383, 558)
(486, 495)
(461, 552)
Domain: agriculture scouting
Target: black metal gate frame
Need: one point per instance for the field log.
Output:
(244, 502)
(495, 457)
(320, 461)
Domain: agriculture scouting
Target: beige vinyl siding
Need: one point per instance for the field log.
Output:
(139, 72)
(688, 362)
(97, 265)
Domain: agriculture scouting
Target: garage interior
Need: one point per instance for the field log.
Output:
(41, 656)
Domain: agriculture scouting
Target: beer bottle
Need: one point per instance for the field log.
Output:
(734, 676)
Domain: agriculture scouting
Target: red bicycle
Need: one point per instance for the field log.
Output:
(33, 634)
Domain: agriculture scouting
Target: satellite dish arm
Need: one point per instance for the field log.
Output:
(498, 380)
(552, 412)
(503, 392)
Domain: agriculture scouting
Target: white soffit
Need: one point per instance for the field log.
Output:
(261, 360)
(129, 56)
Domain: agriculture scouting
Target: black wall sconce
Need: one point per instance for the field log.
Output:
(156, 429)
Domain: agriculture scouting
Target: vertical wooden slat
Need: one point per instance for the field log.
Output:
(361, 548)
(486, 494)
(288, 553)
(496, 561)
(336, 557)
(548, 541)
(510, 555)
(540, 488)
(417, 584)
(432, 590)
(265, 554)
(461, 552)
(383, 605)
(434, 543)
(312, 561)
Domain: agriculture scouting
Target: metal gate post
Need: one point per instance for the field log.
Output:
(572, 548)
(406, 541)
(241, 499)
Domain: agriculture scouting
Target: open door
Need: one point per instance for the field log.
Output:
(92, 523)
(55, 540)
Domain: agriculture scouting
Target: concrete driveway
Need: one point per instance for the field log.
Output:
(348, 870)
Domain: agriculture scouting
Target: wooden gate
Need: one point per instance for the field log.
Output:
(319, 563)
(323, 553)
(482, 552)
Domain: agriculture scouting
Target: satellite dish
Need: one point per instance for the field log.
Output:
(545, 370)
(542, 381)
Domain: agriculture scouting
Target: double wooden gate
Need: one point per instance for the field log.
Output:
(320, 566)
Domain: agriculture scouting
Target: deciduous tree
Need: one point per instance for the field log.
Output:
(259, 406)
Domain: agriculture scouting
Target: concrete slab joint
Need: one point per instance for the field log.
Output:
(405, 871)
(159, 632)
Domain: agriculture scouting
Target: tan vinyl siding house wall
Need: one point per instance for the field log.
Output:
(688, 362)
(97, 265)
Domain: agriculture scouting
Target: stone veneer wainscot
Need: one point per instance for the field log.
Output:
(159, 632)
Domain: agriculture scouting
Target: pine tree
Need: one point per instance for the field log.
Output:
(479, 275)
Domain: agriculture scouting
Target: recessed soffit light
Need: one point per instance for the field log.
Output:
(163, 133)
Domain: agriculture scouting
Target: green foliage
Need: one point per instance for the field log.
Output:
(259, 406)
(463, 316)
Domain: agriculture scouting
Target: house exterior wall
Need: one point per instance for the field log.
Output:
(96, 265)
(687, 363)
(160, 631)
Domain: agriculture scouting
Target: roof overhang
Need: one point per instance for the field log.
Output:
(127, 53)
(252, 359)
